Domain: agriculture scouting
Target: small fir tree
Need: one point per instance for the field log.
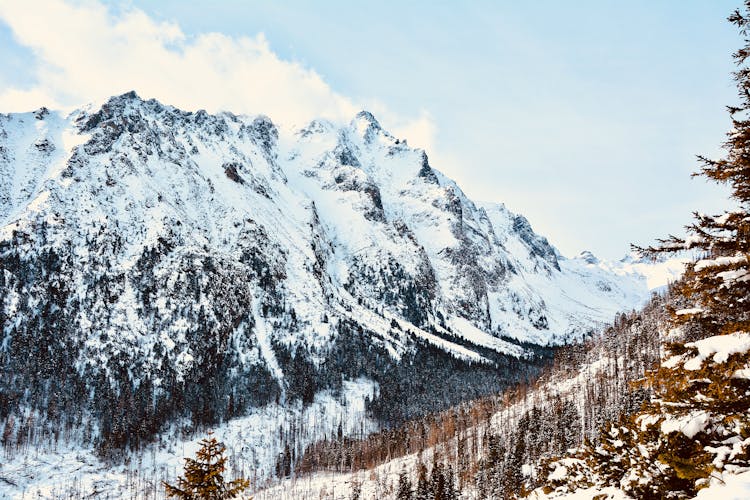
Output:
(356, 492)
(204, 476)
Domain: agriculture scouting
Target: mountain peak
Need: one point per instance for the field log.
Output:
(367, 117)
(114, 106)
(366, 125)
(127, 96)
(122, 100)
(588, 257)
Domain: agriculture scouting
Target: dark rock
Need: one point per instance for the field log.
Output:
(231, 170)
(538, 245)
(41, 113)
(426, 172)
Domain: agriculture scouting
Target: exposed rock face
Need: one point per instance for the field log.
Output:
(206, 259)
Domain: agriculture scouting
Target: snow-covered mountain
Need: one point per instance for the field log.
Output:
(146, 250)
(162, 268)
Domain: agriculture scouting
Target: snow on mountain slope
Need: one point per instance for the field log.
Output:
(723, 487)
(359, 203)
(383, 202)
(158, 264)
(68, 469)
(658, 273)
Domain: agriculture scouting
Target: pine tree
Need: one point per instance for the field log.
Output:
(356, 492)
(719, 284)
(404, 491)
(700, 402)
(423, 485)
(697, 422)
(493, 468)
(437, 481)
(449, 491)
(705, 392)
(204, 479)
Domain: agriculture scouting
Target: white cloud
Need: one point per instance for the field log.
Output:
(419, 131)
(85, 53)
(19, 100)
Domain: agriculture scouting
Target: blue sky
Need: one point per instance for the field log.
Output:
(584, 116)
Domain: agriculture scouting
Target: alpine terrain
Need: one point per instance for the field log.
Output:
(163, 272)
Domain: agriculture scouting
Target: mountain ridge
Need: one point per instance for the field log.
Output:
(116, 118)
(184, 264)
(163, 266)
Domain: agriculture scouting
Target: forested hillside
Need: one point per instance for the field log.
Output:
(656, 406)
(492, 447)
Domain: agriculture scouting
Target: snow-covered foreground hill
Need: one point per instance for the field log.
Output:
(382, 482)
(726, 487)
(68, 469)
(162, 268)
(536, 435)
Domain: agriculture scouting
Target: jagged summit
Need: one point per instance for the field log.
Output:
(588, 257)
(423, 220)
(167, 264)
(130, 95)
(368, 128)
(368, 117)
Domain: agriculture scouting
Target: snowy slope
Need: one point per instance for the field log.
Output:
(158, 264)
(658, 273)
(68, 469)
(342, 215)
(724, 487)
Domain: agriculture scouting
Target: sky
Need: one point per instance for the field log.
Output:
(584, 116)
